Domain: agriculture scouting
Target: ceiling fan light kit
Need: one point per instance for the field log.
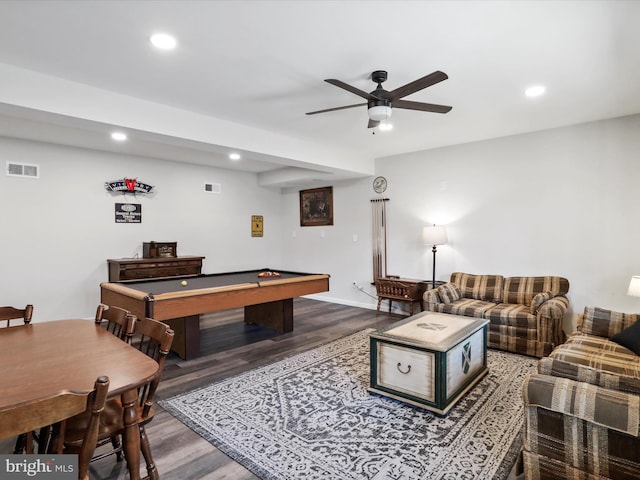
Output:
(380, 112)
(380, 102)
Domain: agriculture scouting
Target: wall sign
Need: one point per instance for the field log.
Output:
(128, 185)
(257, 225)
(128, 213)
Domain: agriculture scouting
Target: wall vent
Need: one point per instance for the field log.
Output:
(212, 187)
(23, 170)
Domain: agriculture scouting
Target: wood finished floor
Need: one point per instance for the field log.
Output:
(228, 348)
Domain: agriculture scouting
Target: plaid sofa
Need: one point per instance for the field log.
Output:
(582, 408)
(525, 313)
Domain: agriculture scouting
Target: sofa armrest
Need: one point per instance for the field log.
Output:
(589, 374)
(430, 299)
(608, 408)
(549, 317)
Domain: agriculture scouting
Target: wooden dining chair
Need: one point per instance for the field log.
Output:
(6, 315)
(58, 410)
(154, 339)
(116, 320)
(10, 313)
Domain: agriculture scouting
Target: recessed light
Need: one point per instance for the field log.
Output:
(534, 91)
(163, 41)
(119, 136)
(234, 156)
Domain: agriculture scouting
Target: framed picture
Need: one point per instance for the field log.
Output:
(316, 207)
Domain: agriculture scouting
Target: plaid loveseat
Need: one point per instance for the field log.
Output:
(582, 408)
(525, 313)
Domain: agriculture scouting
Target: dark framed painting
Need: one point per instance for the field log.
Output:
(316, 207)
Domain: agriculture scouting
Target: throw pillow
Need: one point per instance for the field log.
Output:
(539, 299)
(629, 337)
(603, 322)
(449, 292)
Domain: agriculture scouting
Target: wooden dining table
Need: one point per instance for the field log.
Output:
(43, 359)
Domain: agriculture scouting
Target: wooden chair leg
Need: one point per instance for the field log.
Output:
(21, 444)
(390, 303)
(116, 443)
(145, 447)
(43, 438)
(29, 443)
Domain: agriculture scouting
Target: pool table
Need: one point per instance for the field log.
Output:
(267, 301)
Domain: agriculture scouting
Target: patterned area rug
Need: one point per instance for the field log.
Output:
(310, 417)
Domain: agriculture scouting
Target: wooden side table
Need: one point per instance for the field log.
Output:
(398, 289)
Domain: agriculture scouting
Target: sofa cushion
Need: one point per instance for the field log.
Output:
(465, 306)
(629, 337)
(603, 322)
(522, 290)
(449, 293)
(487, 288)
(513, 315)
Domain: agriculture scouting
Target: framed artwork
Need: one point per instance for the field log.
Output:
(316, 207)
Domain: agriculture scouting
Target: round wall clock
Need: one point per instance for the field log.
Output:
(379, 184)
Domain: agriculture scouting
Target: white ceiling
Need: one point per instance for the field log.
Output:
(260, 65)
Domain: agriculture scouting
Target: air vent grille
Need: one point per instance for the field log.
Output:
(212, 187)
(23, 170)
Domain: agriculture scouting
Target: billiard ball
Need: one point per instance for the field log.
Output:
(183, 283)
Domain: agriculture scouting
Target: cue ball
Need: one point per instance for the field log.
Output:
(183, 283)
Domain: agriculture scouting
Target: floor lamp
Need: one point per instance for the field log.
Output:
(434, 235)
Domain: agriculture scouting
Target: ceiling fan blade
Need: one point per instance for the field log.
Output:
(416, 85)
(336, 108)
(349, 88)
(423, 107)
(373, 123)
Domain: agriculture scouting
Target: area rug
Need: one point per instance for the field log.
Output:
(310, 416)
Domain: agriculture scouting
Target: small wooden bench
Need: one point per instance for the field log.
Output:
(398, 289)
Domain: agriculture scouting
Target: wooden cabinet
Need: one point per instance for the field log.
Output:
(122, 269)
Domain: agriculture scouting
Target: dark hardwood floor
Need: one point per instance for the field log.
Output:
(230, 347)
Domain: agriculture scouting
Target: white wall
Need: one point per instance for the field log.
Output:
(58, 230)
(557, 202)
(342, 250)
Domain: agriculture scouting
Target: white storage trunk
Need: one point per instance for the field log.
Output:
(430, 359)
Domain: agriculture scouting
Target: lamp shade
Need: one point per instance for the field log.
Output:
(634, 287)
(435, 235)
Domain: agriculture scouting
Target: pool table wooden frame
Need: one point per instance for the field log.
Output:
(267, 302)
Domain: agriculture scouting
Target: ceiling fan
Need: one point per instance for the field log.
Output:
(380, 101)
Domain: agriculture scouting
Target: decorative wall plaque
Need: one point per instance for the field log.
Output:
(257, 225)
(128, 185)
(128, 213)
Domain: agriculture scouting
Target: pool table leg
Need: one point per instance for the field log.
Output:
(186, 342)
(277, 315)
